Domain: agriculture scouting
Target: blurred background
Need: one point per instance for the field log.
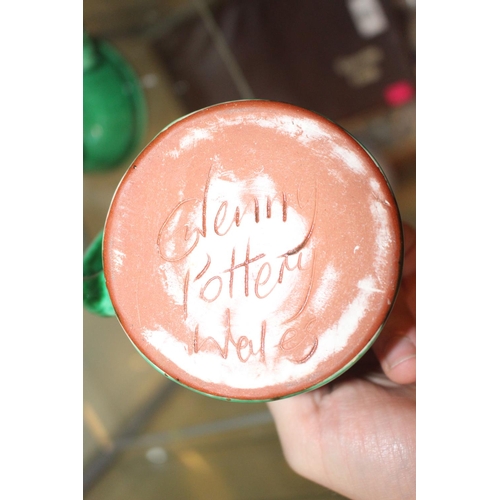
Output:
(149, 62)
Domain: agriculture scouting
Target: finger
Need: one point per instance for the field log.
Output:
(410, 246)
(396, 346)
(409, 268)
(297, 425)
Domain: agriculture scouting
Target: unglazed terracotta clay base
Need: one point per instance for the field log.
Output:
(253, 251)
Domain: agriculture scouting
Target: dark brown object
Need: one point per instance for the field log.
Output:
(337, 58)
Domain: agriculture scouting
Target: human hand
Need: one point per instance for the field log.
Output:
(356, 435)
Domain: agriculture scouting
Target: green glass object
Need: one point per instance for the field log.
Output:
(114, 107)
(95, 294)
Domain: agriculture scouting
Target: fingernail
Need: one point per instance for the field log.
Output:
(398, 350)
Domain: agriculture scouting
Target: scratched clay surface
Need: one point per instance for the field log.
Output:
(252, 250)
